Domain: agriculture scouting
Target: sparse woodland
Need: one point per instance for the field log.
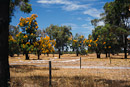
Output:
(26, 49)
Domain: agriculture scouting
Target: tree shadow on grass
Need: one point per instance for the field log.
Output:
(113, 83)
(28, 68)
(30, 81)
(36, 59)
(111, 58)
(118, 58)
(62, 81)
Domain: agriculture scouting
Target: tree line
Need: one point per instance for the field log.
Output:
(113, 35)
(109, 38)
(51, 40)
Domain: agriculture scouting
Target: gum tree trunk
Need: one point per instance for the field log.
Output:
(106, 54)
(47, 54)
(38, 56)
(73, 49)
(109, 52)
(4, 30)
(109, 55)
(59, 53)
(53, 54)
(27, 57)
(125, 48)
(98, 55)
(77, 53)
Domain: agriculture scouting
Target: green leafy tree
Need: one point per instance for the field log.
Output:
(78, 44)
(13, 45)
(13, 30)
(23, 5)
(60, 34)
(117, 14)
(40, 33)
(103, 40)
(95, 44)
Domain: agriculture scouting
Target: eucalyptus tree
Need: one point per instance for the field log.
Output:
(75, 43)
(78, 44)
(14, 47)
(117, 14)
(97, 41)
(103, 40)
(40, 33)
(111, 39)
(13, 30)
(60, 34)
(23, 5)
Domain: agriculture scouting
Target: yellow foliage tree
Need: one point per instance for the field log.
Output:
(48, 45)
(44, 45)
(12, 45)
(29, 27)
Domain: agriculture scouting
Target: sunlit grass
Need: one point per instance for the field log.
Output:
(31, 76)
(28, 75)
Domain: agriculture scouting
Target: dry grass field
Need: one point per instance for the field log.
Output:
(66, 71)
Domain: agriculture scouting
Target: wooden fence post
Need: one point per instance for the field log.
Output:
(80, 62)
(49, 73)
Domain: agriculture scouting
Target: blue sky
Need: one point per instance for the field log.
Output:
(75, 13)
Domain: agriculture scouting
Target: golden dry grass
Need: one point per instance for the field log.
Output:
(88, 60)
(28, 75)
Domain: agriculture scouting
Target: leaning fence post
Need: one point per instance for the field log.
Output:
(80, 62)
(49, 73)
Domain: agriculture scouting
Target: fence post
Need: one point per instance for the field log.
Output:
(80, 62)
(49, 73)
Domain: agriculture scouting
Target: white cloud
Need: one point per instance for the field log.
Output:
(79, 18)
(88, 19)
(86, 26)
(54, 2)
(101, 23)
(89, 0)
(67, 5)
(93, 12)
(48, 10)
(70, 5)
(73, 26)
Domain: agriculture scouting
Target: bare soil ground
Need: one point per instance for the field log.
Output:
(72, 60)
(34, 73)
